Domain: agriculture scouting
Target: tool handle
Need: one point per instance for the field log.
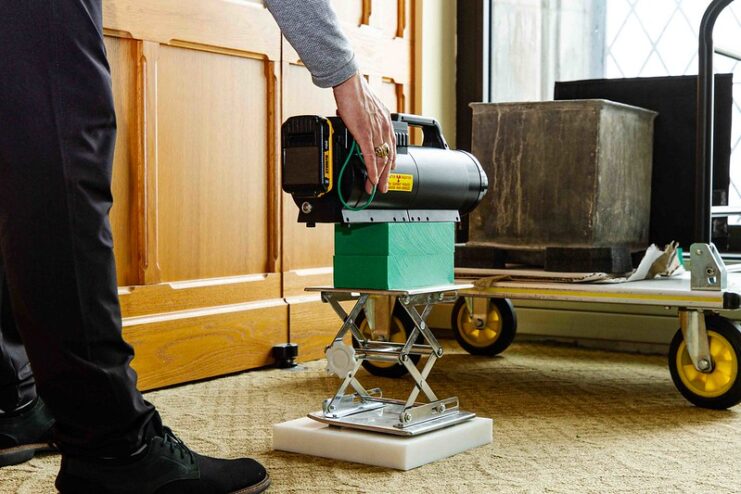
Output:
(433, 133)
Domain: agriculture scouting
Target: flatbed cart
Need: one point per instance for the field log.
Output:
(704, 355)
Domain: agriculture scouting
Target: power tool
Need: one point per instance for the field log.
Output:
(324, 171)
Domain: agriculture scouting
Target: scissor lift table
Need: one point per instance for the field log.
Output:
(365, 426)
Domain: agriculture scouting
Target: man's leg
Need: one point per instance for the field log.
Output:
(57, 132)
(25, 422)
(17, 385)
(56, 149)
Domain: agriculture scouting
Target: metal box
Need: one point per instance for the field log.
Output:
(675, 145)
(565, 174)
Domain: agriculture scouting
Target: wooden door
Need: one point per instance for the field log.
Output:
(196, 217)
(381, 34)
(211, 262)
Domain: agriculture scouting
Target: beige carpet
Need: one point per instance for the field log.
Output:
(566, 420)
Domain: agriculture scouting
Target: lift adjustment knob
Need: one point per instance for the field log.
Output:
(340, 359)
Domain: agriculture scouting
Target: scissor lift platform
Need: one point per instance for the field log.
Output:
(365, 426)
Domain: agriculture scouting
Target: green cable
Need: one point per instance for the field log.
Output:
(353, 150)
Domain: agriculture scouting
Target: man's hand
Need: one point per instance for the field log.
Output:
(369, 121)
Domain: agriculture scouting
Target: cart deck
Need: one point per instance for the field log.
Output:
(672, 292)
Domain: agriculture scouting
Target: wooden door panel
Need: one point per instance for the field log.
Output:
(197, 210)
(193, 294)
(392, 95)
(302, 97)
(349, 11)
(244, 26)
(385, 17)
(177, 348)
(385, 58)
(382, 40)
(304, 247)
(213, 180)
(200, 222)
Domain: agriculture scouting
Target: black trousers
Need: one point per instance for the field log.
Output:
(58, 295)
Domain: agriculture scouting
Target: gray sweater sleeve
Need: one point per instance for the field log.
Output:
(312, 28)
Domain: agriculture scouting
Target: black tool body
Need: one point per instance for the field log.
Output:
(430, 182)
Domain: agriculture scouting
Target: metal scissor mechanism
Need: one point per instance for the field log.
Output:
(478, 307)
(367, 408)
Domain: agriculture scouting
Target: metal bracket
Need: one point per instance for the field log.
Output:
(430, 411)
(378, 313)
(400, 216)
(708, 271)
(478, 308)
(354, 403)
(434, 215)
(695, 336)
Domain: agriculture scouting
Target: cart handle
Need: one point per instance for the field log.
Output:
(705, 123)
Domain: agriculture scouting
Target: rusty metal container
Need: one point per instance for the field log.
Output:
(563, 174)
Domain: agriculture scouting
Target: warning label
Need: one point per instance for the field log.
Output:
(401, 182)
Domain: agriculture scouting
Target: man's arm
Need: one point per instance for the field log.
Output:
(312, 28)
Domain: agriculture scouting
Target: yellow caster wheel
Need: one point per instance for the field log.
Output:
(490, 338)
(401, 327)
(721, 387)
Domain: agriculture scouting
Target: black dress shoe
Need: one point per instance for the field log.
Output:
(25, 432)
(165, 466)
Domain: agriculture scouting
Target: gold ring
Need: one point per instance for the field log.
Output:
(383, 150)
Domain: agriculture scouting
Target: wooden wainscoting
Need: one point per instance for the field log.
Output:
(211, 262)
(189, 345)
(197, 212)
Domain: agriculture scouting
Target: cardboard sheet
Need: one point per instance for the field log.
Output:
(656, 263)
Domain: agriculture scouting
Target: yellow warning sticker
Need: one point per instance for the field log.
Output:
(401, 182)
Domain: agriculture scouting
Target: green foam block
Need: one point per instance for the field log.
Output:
(384, 239)
(394, 255)
(393, 272)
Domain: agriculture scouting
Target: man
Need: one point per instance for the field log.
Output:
(58, 295)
